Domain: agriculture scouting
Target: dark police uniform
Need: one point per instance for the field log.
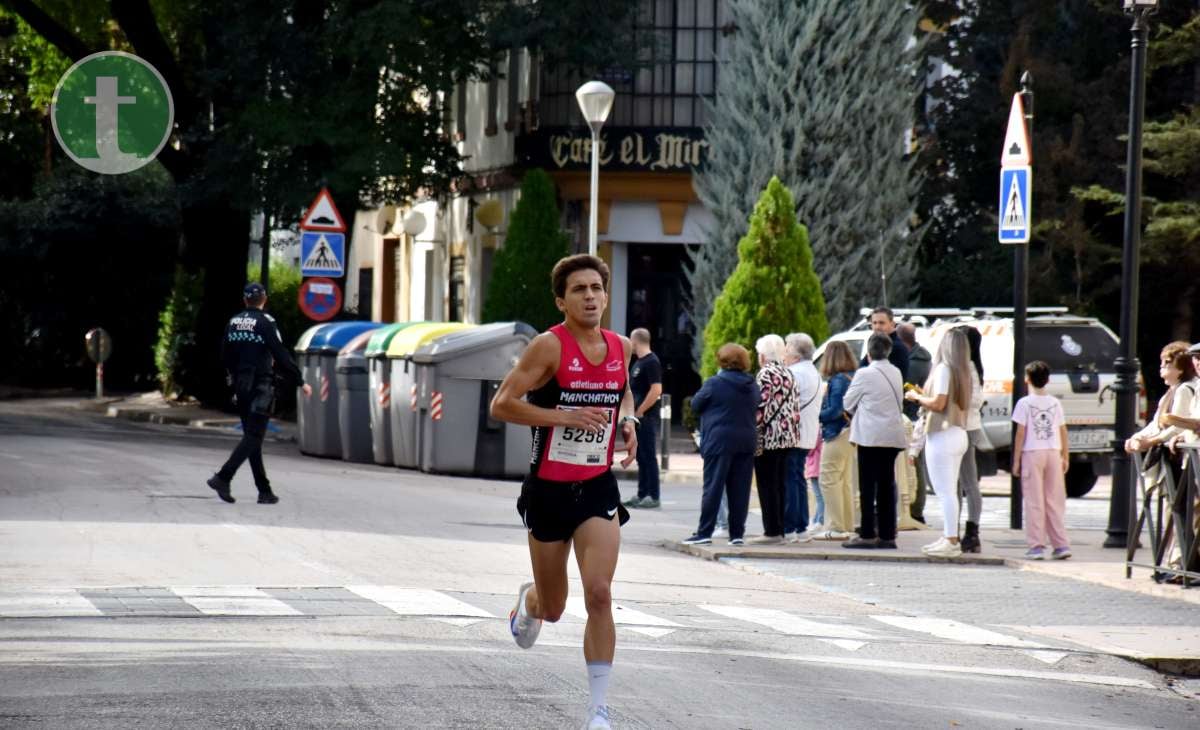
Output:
(252, 346)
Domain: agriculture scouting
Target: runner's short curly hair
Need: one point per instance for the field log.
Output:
(579, 262)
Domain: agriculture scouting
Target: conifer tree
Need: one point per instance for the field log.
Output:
(773, 289)
(521, 273)
(820, 95)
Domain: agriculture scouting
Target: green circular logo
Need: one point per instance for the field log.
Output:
(112, 112)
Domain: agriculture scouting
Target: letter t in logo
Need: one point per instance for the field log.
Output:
(107, 101)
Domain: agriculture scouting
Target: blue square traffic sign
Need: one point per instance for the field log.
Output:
(322, 253)
(1015, 190)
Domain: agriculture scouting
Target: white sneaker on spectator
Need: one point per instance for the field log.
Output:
(946, 550)
(934, 545)
(814, 528)
(801, 537)
(721, 532)
(790, 536)
(832, 535)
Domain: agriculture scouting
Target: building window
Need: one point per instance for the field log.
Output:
(460, 112)
(675, 74)
(513, 85)
(493, 99)
(458, 288)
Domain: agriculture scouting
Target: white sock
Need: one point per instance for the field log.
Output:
(598, 673)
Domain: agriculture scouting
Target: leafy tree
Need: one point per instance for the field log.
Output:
(821, 96)
(774, 288)
(274, 98)
(521, 272)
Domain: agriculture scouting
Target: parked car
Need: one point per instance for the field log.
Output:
(1080, 351)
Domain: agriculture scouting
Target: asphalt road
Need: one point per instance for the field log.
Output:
(371, 597)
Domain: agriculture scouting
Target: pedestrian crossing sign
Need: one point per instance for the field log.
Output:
(322, 253)
(1015, 190)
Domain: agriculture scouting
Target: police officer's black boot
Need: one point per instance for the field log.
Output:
(266, 496)
(221, 487)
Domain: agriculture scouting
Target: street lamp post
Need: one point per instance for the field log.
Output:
(595, 101)
(1121, 508)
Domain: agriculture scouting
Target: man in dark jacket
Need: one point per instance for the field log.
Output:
(883, 322)
(727, 404)
(250, 350)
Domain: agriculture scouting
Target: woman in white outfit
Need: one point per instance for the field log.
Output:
(947, 397)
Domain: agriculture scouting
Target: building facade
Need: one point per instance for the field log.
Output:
(526, 117)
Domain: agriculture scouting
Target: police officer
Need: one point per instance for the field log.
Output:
(252, 345)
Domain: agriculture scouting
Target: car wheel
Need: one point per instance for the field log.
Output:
(1080, 479)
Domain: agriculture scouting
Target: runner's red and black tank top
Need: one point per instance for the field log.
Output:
(570, 454)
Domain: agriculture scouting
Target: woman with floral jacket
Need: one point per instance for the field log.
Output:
(778, 421)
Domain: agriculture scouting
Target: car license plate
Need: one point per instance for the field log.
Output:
(1090, 439)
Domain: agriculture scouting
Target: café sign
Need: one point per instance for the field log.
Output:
(654, 149)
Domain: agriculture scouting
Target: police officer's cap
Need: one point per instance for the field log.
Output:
(254, 291)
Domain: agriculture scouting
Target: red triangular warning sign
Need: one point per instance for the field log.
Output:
(323, 215)
(1016, 140)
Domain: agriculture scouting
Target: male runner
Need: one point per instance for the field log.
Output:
(570, 386)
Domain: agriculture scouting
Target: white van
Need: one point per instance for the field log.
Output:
(1080, 352)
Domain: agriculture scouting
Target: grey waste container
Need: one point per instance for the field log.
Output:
(354, 400)
(404, 385)
(379, 372)
(457, 375)
(317, 351)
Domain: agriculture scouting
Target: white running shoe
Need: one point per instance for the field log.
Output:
(946, 550)
(598, 718)
(524, 628)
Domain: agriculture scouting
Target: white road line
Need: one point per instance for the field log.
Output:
(422, 602)
(634, 620)
(843, 637)
(233, 601)
(956, 631)
(33, 602)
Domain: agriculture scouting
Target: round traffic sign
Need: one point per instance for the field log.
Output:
(98, 344)
(320, 298)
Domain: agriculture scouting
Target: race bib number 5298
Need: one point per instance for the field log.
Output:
(580, 446)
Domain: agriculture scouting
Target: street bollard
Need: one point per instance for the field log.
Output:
(665, 420)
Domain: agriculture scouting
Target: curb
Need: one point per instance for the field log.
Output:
(219, 425)
(710, 552)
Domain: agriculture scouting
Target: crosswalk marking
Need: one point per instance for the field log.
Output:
(944, 628)
(46, 602)
(233, 601)
(843, 637)
(634, 620)
(422, 602)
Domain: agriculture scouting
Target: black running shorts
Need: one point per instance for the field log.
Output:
(552, 511)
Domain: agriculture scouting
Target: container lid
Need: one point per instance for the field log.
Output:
(378, 344)
(407, 342)
(358, 344)
(458, 344)
(332, 337)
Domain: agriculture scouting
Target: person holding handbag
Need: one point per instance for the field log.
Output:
(946, 399)
(878, 431)
(778, 422)
(837, 453)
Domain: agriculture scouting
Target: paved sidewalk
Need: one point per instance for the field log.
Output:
(153, 408)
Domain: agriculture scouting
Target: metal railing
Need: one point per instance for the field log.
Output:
(1167, 511)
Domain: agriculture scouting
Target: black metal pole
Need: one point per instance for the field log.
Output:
(265, 243)
(1020, 304)
(1120, 509)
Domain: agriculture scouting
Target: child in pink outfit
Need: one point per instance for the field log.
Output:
(1041, 456)
(812, 472)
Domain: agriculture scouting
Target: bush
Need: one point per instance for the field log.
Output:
(774, 288)
(177, 331)
(283, 293)
(520, 285)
